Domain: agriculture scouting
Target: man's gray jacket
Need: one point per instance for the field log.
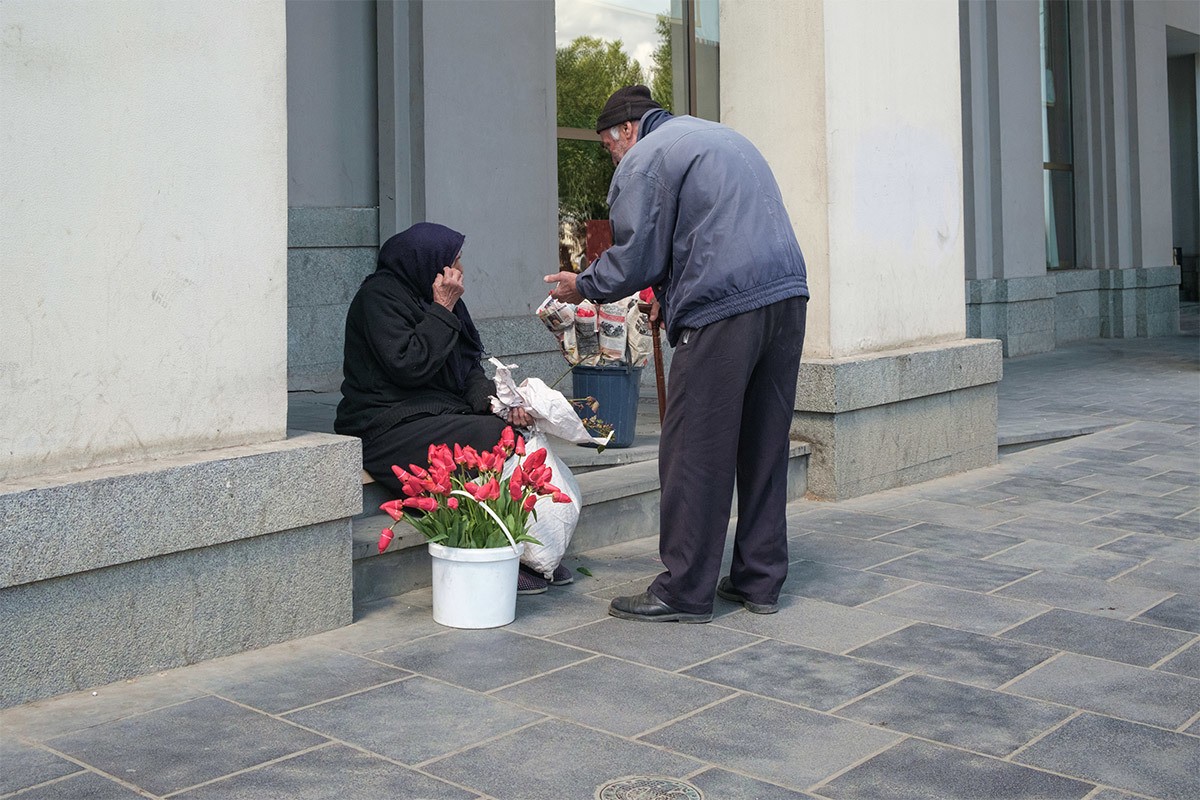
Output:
(697, 214)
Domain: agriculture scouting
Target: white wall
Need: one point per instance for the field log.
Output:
(857, 107)
(143, 206)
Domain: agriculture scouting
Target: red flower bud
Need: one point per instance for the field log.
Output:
(452, 503)
(385, 538)
(561, 497)
(519, 449)
(393, 509)
(515, 490)
(507, 439)
(529, 503)
(535, 459)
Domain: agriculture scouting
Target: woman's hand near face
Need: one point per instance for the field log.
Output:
(448, 288)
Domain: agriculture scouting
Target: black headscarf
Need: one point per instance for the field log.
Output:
(417, 256)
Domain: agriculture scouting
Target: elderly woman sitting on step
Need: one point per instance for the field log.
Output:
(412, 365)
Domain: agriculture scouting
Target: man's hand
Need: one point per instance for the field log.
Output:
(656, 320)
(565, 291)
(447, 288)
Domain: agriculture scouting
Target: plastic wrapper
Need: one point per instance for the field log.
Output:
(559, 319)
(638, 341)
(552, 413)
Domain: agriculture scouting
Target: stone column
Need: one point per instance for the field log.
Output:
(154, 510)
(857, 107)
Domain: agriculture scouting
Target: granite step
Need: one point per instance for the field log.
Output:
(620, 503)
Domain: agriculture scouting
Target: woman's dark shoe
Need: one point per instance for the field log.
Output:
(562, 576)
(648, 608)
(530, 582)
(725, 590)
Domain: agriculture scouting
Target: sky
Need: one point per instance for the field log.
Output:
(631, 21)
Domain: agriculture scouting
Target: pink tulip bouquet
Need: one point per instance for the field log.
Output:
(461, 499)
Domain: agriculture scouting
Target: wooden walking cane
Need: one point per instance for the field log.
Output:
(659, 380)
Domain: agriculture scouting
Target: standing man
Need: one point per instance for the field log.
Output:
(697, 214)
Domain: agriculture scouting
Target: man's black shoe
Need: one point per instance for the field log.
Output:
(725, 590)
(648, 608)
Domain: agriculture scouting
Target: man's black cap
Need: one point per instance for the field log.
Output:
(627, 103)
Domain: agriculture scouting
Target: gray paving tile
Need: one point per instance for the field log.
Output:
(1169, 506)
(955, 541)
(1149, 487)
(1092, 635)
(67, 713)
(955, 608)
(1040, 489)
(414, 720)
(664, 645)
(25, 766)
(1049, 509)
(314, 776)
(83, 786)
(609, 570)
(843, 522)
(795, 674)
(958, 655)
(284, 677)
(1114, 453)
(215, 736)
(954, 515)
(1169, 576)
(1111, 794)
(1162, 547)
(555, 760)
(718, 783)
(481, 660)
(1120, 690)
(1181, 611)
(1148, 523)
(556, 611)
(1066, 558)
(614, 696)
(384, 623)
(915, 770)
(960, 573)
(772, 741)
(1059, 531)
(1090, 595)
(1117, 753)
(1186, 663)
(847, 587)
(1183, 477)
(842, 551)
(976, 719)
(813, 623)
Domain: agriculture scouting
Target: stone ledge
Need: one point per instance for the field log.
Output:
(69, 523)
(1077, 280)
(1008, 290)
(832, 386)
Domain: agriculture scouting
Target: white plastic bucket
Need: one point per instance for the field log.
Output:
(474, 588)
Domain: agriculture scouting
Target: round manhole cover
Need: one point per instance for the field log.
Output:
(648, 788)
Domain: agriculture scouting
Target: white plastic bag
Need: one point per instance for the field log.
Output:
(552, 413)
(552, 523)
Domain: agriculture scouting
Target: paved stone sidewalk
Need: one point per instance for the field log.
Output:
(1029, 630)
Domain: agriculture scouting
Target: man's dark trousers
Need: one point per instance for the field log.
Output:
(731, 392)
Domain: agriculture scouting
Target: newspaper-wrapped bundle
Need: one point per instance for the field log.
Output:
(552, 413)
(609, 334)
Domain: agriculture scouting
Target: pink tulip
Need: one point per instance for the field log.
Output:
(385, 538)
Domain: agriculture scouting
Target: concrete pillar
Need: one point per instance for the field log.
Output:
(857, 107)
(153, 512)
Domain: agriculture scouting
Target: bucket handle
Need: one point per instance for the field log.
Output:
(511, 541)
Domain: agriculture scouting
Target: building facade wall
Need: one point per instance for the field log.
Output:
(1121, 173)
(143, 294)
